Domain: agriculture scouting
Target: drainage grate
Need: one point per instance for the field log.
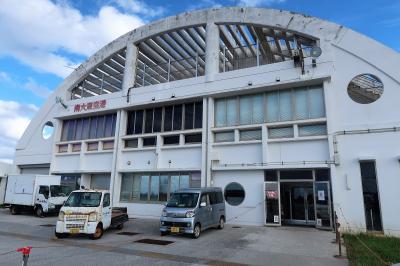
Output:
(47, 225)
(127, 233)
(236, 227)
(154, 241)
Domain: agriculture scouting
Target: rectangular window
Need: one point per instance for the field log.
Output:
(93, 127)
(93, 146)
(258, 109)
(71, 130)
(193, 138)
(171, 140)
(76, 147)
(317, 105)
(168, 118)
(231, 111)
(149, 142)
(100, 127)
(154, 187)
(198, 115)
(78, 130)
(130, 129)
(157, 119)
(272, 102)
(108, 145)
(189, 112)
(148, 125)
(228, 136)
(280, 132)
(177, 120)
(64, 132)
(245, 108)
(108, 132)
(144, 187)
(63, 148)
(371, 196)
(300, 104)
(254, 134)
(86, 128)
(220, 113)
(139, 122)
(285, 105)
(131, 143)
(312, 130)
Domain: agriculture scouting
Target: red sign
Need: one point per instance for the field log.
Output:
(90, 106)
(272, 194)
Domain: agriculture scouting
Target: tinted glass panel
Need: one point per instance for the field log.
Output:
(234, 194)
(157, 120)
(170, 140)
(86, 128)
(78, 130)
(64, 132)
(177, 120)
(231, 111)
(271, 175)
(71, 130)
(150, 141)
(189, 112)
(198, 115)
(296, 174)
(148, 128)
(139, 122)
(322, 174)
(144, 188)
(108, 126)
(131, 143)
(258, 109)
(168, 118)
(100, 127)
(163, 194)
(131, 123)
(93, 127)
(245, 110)
(193, 138)
(154, 188)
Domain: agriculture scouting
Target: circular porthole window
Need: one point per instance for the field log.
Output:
(365, 88)
(48, 130)
(234, 194)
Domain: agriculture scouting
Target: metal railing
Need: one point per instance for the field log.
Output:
(256, 55)
(172, 70)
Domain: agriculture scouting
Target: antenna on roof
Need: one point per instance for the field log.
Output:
(61, 102)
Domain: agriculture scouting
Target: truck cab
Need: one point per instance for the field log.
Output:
(89, 212)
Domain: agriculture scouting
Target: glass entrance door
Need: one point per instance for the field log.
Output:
(298, 203)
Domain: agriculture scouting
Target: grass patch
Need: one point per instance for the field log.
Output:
(387, 248)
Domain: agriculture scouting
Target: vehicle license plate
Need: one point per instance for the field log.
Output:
(74, 230)
(174, 229)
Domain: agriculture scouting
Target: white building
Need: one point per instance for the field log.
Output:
(239, 98)
(5, 169)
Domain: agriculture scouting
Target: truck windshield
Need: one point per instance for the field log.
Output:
(183, 200)
(60, 191)
(83, 199)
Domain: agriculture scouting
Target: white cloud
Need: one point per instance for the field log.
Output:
(38, 32)
(14, 118)
(140, 7)
(258, 2)
(37, 89)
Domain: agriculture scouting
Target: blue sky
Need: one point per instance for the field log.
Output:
(42, 40)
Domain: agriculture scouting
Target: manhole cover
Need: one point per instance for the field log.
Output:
(47, 225)
(236, 227)
(127, 233)
(154, 242)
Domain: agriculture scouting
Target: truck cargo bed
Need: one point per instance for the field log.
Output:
(118, 216)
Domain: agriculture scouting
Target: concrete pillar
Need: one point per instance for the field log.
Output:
(204, 143)
(130, 66)
(264, 137)
(210, 124)
(118, 143)
(212, 51)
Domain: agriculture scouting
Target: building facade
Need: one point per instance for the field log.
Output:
(296, 119)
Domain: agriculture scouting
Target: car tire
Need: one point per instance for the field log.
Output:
(39, 211)
(196, 231)
(60, 235)
(120, 226)
(221, 223)
(14, 210)
(98, 234)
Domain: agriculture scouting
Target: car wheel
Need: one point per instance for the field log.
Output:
(14, 210)
(221, 223)
(39, 211)
(120, 226)
(98, 233)
(60, 235)
(196, 231)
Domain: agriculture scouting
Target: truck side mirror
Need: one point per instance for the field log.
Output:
(203, 204)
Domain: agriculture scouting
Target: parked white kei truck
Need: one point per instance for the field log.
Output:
(89, 211)
(40, 193)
